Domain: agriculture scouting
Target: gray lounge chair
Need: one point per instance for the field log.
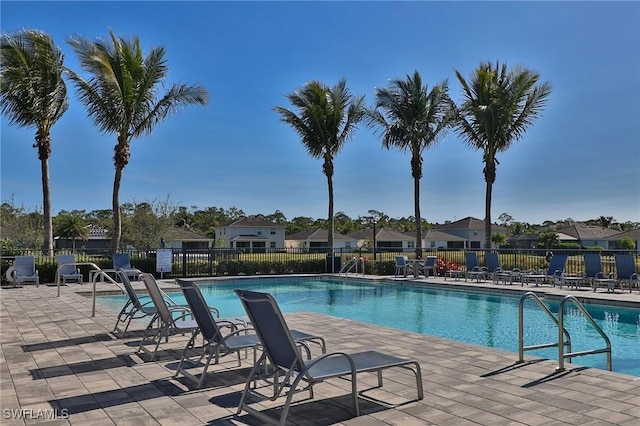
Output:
(25, 271)
(133, 308)
(280, 348)
(429, 264)
(626, 270)
(402, 265)
(67, 269)
(122, 261)
(167, 324)
(215, 342)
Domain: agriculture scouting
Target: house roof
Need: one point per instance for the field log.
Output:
(634, 234)
(252, 222)
(317, 235)
(432, 234)
(588, 232)
(382, 234)
(186, 234)
(467, 223)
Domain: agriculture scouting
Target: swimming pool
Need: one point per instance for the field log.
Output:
(479, 318)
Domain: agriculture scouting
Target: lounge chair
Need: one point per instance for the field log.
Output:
(123, 261)
(494, 269)
(167, 324)
(402, 265)
(594, 274)
(25, 271)
(626, 270)
(492, 261)
(280, 348)
(553, 274)
(215, 342)
(133, 308)
(473, 271)
(67, 269)
(429, 264)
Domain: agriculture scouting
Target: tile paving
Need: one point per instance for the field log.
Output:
(59, 365)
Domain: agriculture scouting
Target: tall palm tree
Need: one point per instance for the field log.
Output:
(33, 94)
(412, 118)
(498, 106)
(122, 97)
(72, 226)
(325, 119)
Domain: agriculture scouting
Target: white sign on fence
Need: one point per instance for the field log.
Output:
(163, 260)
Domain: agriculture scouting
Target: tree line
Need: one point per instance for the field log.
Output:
(145, 223)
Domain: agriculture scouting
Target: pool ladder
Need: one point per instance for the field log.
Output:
(352, 263)
(564, 339)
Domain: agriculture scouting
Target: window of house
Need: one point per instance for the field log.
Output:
(433, 244)
(347, 244)
(411, 244)
(273, 231)
(272, 244)
(259, 231)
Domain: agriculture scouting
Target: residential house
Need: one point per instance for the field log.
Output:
(530, 241)
(386, 239)
(251, 234)
(634, 234)
(441, 240)
(589, 235)
(97, 242)
(186, 238)
(317, 241)
(471, 231)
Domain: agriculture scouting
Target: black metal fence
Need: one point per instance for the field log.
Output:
(232, 262)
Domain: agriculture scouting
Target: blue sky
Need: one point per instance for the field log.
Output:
(580, 160)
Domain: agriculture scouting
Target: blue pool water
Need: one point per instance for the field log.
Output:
(479, 318)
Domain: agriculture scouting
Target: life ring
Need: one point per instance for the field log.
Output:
(548, 256)
(10, 275)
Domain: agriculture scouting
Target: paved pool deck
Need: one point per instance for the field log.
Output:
(59, 365)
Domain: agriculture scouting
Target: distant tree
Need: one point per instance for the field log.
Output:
(20, 225)
(498, 106)
(498, 239)
(605, 221)
(122, 96)
(149, 221)
(626, 243)
(548, 240)
(325, 118)
(412, 118)
(33, 94)
(505, 219)
(71, 226)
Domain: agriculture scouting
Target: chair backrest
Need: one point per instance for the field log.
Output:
(272, 330)
(430, 261)
(471, 260)
(157, 299)
(25, 266)
(402, 260)
(625, 266)
(557, 264)
(64, 259)
(121, 260)
(492, 261)
(592, 264)
(133, 296)
(200, 310)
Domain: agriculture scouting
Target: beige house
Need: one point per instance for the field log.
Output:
(317, 240)
(386, 239)
(471, 230)
(251, 234)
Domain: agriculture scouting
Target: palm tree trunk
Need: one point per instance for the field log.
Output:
(115, 205)
(47, 245)
(331, 219)
(416, 207)
(487, 215)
